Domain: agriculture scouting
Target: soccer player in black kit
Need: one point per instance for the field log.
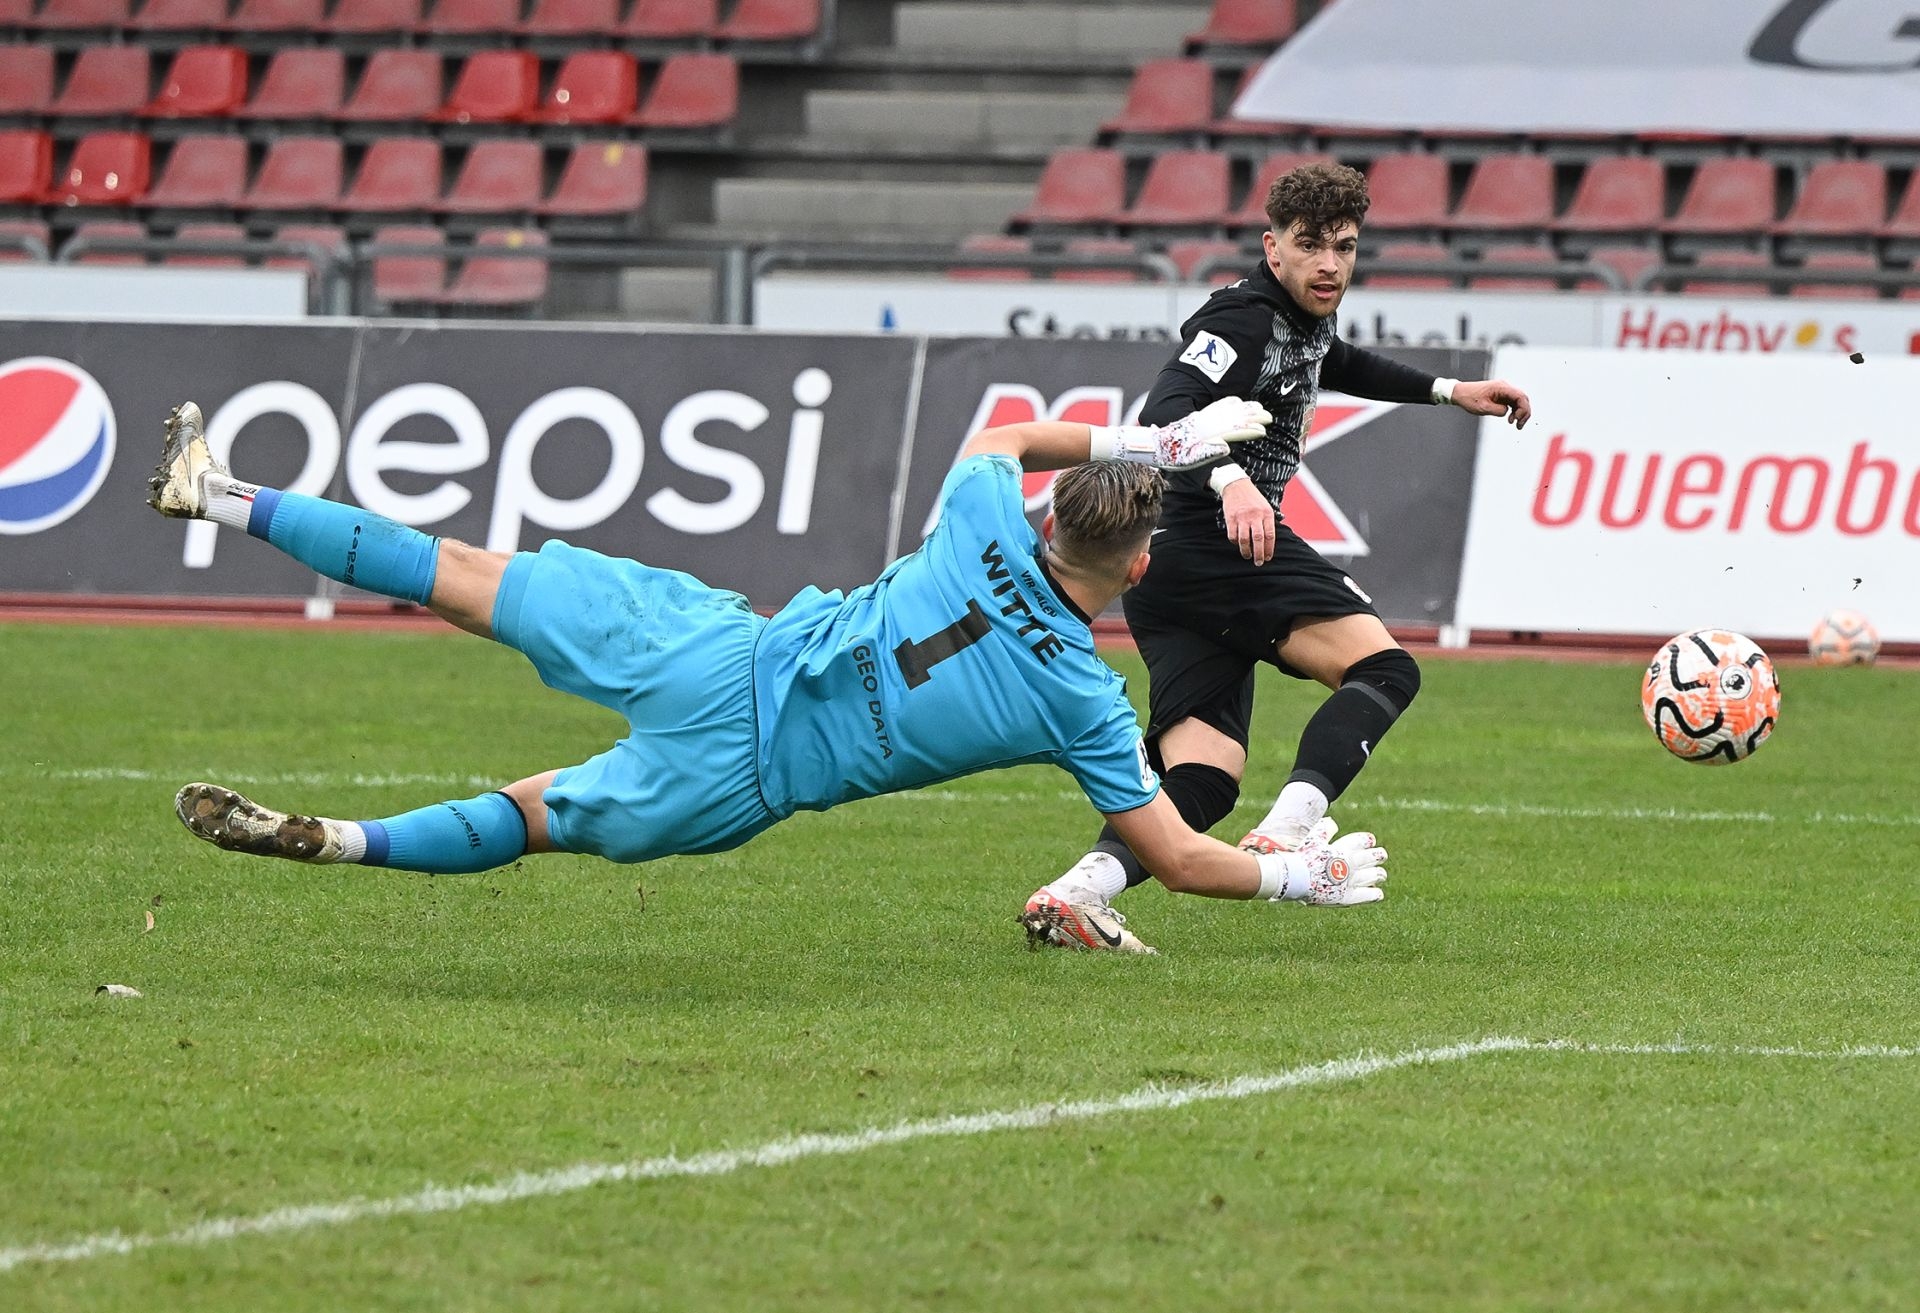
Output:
(1229, 585)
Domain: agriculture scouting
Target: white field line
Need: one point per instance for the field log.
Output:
(343, 779)
(775, 1153)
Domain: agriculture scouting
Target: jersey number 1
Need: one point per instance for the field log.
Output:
(917, 659)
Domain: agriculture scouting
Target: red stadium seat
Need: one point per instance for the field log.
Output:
(1167, 96)
(1507, 191)
(1186, 187)
(1247, 23)
(1253, 208)
(26, 79)
(1618, 194)
(409, 277)
(15, 234)
(16, 13)
(693, 91)
(1840, 197)
(601, 178)
(362, 16)
(107, 168)
(497, 280)
(398, 85)
(106, 80)
(327, 238)
(182, 256)
(1409, 191)
(993, 244)
(398, 173)
(593, 86)
(203, 82)
(1727, 196)
(108, 229)
(498, 177)
(308, 82)
(494, 86)
(1849, 260)
(1525, 255)
(181, 15)
(1100, 246)
(670, 20)
(69, 15)
(572, 18)
(1729, 260)
(1905, 222)
(1228, 126)
(1630, 263)
(474, 16)
(202, 172)
(300, 173)
(1189, 256)
(26, 167)
(771, 20)
(278, 16)
(1078, 187)
(1409, 282)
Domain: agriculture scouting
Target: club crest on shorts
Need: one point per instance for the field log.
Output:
(56, 442)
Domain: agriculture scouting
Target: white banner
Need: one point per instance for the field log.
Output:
(1799, 67)
(1654, 494)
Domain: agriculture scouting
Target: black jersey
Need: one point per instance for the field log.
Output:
(1252, 340)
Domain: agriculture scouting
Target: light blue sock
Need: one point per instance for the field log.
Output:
(347, 543)
(449, 838)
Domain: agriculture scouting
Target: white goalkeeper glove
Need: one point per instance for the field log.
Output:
(1345, 872)
(1192, 440)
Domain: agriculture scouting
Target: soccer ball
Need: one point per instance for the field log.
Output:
(1711, 696)
(1844, 638)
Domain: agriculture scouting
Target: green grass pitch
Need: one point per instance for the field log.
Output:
(315, 1037)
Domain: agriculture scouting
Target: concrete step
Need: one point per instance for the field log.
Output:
(837, 208)
(944, 118)
(1146, 30)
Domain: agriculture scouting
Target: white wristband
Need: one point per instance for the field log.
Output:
(1222, 476)
(1443, 391)
(1129, 442)
(1105, 444)
(1274, 870)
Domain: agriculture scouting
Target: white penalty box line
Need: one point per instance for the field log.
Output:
(774, 1153)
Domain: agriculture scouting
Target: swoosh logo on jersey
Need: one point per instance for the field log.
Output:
(1288, 387)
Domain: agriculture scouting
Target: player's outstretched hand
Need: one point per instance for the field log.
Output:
(1203, 436)
(1347, 872)
(1496, 396)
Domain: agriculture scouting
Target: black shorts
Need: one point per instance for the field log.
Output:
(1205, 615)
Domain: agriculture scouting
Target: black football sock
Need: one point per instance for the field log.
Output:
(1349, 725)
(1205, 796)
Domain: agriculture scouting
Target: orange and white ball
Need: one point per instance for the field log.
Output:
(1711, 696)
(1844, 638)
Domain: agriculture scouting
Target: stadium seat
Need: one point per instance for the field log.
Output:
(670, 20)
(1841, 197)
(356, 17)
(105, 81)
(499, 16)
(397, 173)
(1629, 263)
(328, 238)
(771, 20)
(1264, 23)
(572, 18)
(499, 280)
(15, 234)
(182, 256)
(693, 90)
(1078, 187)
(397, 86)
(409, 277)
(1729, 260)
(1905, 221)
(202, 82)
(300, 173)
(1228, 126)
(593, 86)
(1853, 261)
(1507, 192)
(1167, 96)
(278, 16)
(1188, 256)
(26, 167)
(201, 172)
(494, 86)
(1409, 191)
(498, 177)
(308, 82)
(1100, 246)
(600, 178)
(16, 13)
(1253, 208)
(1407, 282)
(107, 230)
(106, 168)
(1618, 194)
(1182, 188)
(1727, 196)
(26, 79)
(992, 244)
(1523, 255)
(72, 15)
(181, 15)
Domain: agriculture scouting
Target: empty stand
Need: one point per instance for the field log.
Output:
(354, 17)
(1262, 23)
(70, 15)
(1727, 196)
(1520, 255)
(771, 20)
(26, 167)
(1228, 126)
(1507, 192)
(1078, 187)
(26, 79)
(1409, 251)
(1618, 195)
(181, 254)
(1167, 96)
(993, 244)
(1630, 263)
(409, 277)
(670, 20)
(497, 177)
(1409, 191)
(600, 179)
(327, 239)
(572, 18)
(1851, 261)
(1841, 197)
(397, 86)
(104, 232)
(278, 16)
(1905, 220)
(1253, 207)
(1114, 246)
(106, 81)
(494, 86)
(1188, 256)
(501, 280)
(397, 173)
(1182, 188)
(592, 86)
(202, 172)
(1729, 260)
(181, 15)
(18, 237)
(106, 168)
(300, 173)
(202, 82)
(301, 83)
(693, 90)
(473, 16)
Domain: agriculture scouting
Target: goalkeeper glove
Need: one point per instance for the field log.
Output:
(1192, 440)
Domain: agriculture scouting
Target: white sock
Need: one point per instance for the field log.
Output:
(353, 840)
(1296, 809)
(1099, 871)
(229, 501)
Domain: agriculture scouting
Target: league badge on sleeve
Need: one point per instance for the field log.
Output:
(1210, 355)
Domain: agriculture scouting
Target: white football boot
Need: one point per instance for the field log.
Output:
(226, 820)
(1080, 919)
(177, 486)
(1292, 837)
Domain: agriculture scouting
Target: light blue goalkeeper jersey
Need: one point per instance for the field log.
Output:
(959, 658)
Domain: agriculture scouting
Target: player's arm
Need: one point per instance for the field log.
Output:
(1347, 872)
(1362, 373)
(1197, 439)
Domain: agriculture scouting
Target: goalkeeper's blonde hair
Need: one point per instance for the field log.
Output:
(1104, 510)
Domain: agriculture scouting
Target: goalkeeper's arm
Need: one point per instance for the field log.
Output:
(1193, 440)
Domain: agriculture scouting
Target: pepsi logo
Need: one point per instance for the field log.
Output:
(56, 442)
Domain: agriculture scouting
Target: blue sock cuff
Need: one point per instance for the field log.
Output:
(260, 518)
(378, 844)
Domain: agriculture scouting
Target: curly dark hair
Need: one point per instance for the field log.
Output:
(1317, 198)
